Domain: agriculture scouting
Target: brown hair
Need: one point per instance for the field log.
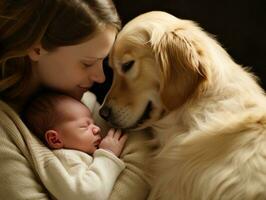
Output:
(52, 23)
(42, 113)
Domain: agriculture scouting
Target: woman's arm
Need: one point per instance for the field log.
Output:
(18, 179)
(133, 184)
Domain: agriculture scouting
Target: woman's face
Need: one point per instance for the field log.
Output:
(74, 69)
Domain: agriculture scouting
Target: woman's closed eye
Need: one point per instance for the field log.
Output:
(86, 65)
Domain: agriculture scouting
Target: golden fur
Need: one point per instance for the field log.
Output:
(208, 113)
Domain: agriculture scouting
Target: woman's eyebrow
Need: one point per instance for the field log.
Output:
(93, 58)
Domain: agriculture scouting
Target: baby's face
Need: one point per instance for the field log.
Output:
(77, 129)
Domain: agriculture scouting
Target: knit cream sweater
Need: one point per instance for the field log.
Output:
(24, 160)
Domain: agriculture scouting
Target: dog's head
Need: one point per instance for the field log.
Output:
(159, 64)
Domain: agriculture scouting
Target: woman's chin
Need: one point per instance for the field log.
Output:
(77, 94)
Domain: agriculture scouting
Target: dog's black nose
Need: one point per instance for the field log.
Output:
(105, 112)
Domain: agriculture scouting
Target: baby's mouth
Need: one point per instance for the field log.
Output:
(97, 142)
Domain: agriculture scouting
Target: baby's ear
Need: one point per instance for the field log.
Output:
(53, 139)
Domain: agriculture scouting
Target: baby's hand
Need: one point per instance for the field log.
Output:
(114, 141)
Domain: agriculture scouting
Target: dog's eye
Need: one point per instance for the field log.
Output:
(127, 66)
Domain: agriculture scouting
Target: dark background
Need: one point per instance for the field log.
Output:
(239, 26)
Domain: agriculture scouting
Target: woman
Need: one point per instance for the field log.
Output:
(58, 45)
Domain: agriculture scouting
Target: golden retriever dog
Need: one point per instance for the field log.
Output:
(207, 112)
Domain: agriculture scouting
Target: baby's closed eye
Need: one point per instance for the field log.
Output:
(84, 126)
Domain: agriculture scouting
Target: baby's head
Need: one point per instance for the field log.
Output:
(61, 121)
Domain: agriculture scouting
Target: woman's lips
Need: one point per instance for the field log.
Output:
(84, 89)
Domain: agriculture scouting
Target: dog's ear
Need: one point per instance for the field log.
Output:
(180, 64)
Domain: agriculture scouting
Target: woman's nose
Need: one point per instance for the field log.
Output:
(98, 74)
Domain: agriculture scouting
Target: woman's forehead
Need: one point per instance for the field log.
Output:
(97, 47)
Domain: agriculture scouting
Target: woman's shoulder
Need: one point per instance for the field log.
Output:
(8, 107)
(6, 111)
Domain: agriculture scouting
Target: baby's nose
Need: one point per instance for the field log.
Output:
(96, 130)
